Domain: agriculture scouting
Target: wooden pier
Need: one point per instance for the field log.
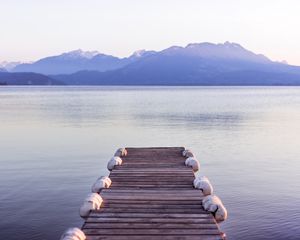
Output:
(151, 197)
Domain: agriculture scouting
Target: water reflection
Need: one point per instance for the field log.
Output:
(55, 142)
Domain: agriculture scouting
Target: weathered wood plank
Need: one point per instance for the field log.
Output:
(185, 179)
(152, 166)
(188, 180)
(153, 201)
(154, 237)
(139, 203)
(150, 197)
(209, 220)
(141, 149)
(89, 225)
(150, 210)
(152, 170)
(158, 191)
(135, 195)
(144, 173)
(156, 172)
(153, 206)
(165, 231)
(150, 215)
(131, 184)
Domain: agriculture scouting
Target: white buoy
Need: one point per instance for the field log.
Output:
(193, 162)
(121, 152)
(73, 234)
(101, 182)
(114, 161)
(92, 202)
(183, 152)
(188, 153)
(204, 185)
(213, 204)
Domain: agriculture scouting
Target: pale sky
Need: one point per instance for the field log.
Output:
(32, 29)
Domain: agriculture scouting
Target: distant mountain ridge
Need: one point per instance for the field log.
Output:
(8, 66)
(7, 78)
(221, 51)
(78, 60)
(195, 64)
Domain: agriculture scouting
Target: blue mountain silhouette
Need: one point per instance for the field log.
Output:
(195, 64)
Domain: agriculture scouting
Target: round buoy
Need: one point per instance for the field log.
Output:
(73, 234)
(121, 152)
(114, 161)
(101, 182)
(204, 185)
(213, 204)
(193, 162)
(92, 202)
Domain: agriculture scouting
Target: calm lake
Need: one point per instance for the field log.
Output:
(55, 141)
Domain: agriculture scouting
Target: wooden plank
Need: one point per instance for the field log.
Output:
(152, 181)
(158, 174)
(150, 210)
(89, 225)
(141, 149)
(146, 186)
(153, 206)
(164, 167)
(209, 220)
(165, 185)
(154, 201)
(150, 215)
(153, 237)
(150, 197)
(129, 161)
(153, 170)
(154, 159)
(149, 173)
(121, 185)
(164, 196)
(174, 180)
(158, 191)
(137, 169)
(151, 186)
(157, 183)
(187, 179)
(151, 201)
(165, 231)
(179, 178)
(167, 162)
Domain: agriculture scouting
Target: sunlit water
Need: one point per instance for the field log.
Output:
(55, 141)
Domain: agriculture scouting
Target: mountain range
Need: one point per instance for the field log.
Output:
(7, 78)
(79, 60)
(195, 64)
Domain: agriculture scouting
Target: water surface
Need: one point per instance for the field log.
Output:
(55, 141)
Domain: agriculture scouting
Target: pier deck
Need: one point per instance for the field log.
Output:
(151, 197)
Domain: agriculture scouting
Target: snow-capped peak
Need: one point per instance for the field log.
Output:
(139, 53)
(9, 65)
(81, 54)
(232, 45)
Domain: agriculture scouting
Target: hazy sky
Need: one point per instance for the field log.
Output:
(31, 29)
